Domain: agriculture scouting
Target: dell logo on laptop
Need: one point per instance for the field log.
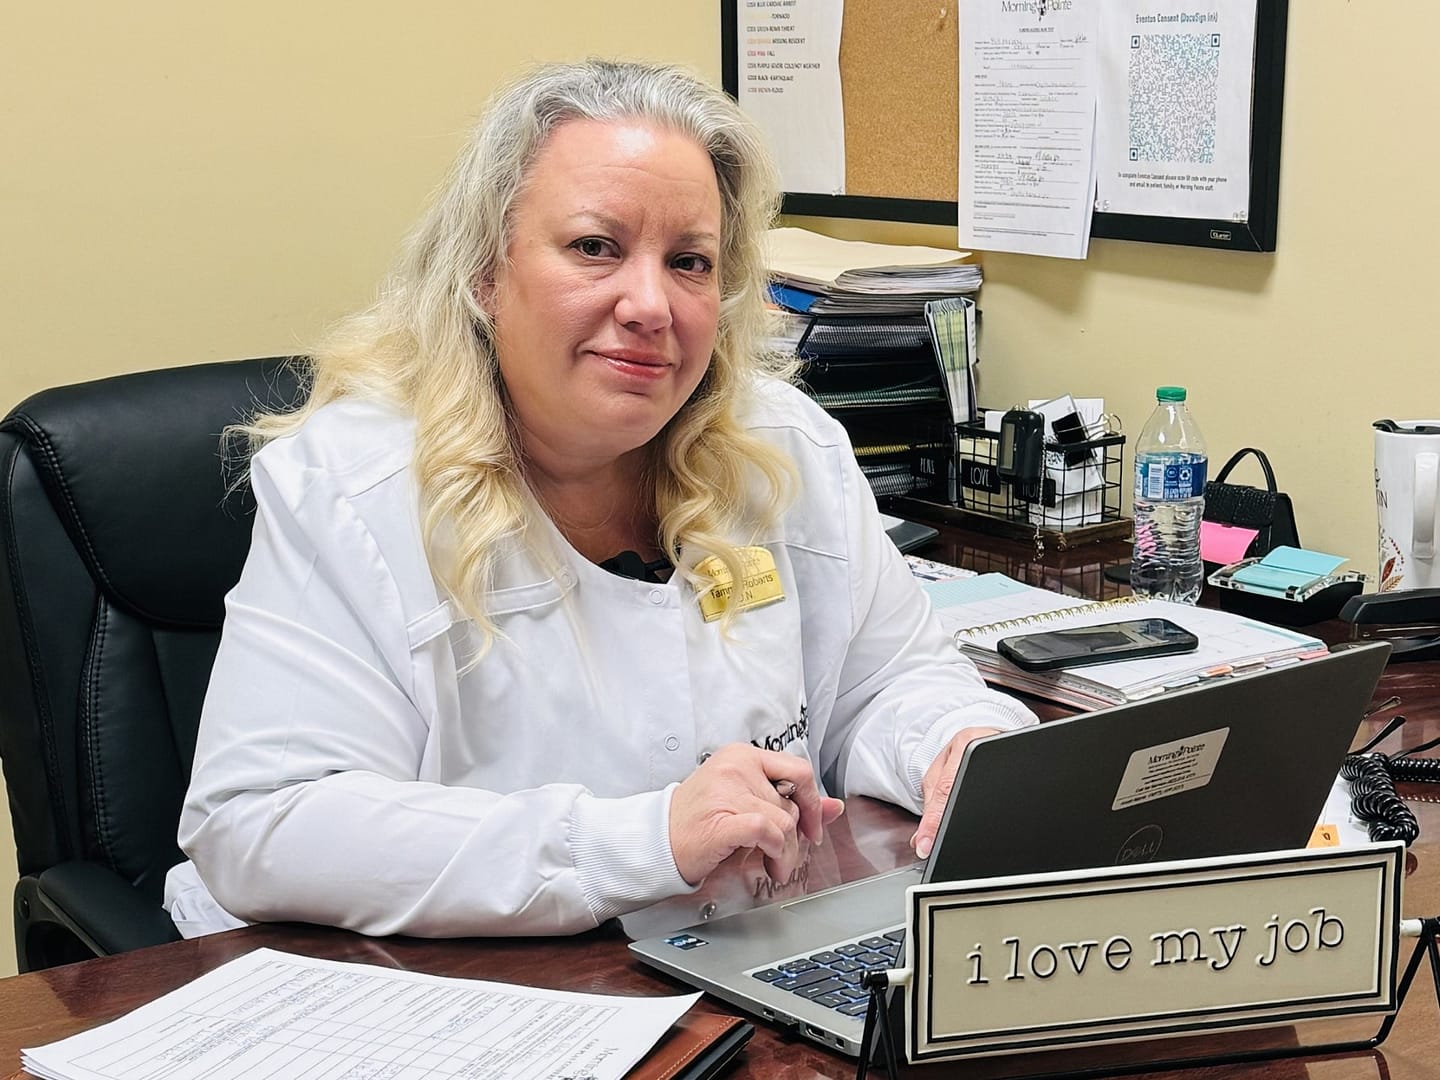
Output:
(1140, 846)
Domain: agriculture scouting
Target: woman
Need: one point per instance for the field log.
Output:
(440, 706)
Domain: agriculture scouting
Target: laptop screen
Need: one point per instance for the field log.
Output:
(1242, 764)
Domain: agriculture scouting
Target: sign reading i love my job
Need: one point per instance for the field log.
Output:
(1123, 953)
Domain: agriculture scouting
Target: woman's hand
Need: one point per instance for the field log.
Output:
(936, 784)
(731, 802)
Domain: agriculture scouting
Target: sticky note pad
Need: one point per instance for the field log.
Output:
(1224, 544)
(1303, 561)
(1287, 568)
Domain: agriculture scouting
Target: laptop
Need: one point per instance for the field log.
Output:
(1239, 765)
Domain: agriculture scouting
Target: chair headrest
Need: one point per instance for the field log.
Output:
(132, 466)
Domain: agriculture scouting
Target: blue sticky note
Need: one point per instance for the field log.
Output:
(1272, 579)
(1302, 561)
(1287, 568)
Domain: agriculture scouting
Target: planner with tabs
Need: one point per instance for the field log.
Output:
(979, 611)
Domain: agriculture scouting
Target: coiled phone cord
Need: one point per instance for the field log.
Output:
(1372, 777)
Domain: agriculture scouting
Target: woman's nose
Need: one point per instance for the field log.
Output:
(644, 299)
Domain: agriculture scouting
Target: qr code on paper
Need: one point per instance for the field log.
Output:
(1174, 82)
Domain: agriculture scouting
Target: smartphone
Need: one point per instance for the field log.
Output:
(1077, 646)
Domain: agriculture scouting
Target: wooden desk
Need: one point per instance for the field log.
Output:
(870, 838)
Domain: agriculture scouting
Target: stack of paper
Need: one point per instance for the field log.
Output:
(979, 611)
(289, 1017)
(843, 303)
(943, 280)
(822, 275)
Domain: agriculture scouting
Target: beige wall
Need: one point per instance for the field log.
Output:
(187, 182)
(182, 184)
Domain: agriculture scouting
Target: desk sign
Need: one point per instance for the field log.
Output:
(1094, 956)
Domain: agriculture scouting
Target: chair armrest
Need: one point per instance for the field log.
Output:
(84, 904)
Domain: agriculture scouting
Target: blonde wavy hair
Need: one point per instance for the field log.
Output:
(427, 344)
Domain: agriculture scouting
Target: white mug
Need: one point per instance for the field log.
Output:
(1407, 482)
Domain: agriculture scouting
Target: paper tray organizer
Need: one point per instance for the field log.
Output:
(877, 375)
(1315, 602)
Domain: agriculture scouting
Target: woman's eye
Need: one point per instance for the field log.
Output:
(591, 246)
(694, 264)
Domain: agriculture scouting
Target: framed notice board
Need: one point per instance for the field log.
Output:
(900, 79)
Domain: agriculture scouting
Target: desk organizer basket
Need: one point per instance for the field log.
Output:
(1079, 501)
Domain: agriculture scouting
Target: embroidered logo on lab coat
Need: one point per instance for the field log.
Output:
(796, 729)
(760, 587)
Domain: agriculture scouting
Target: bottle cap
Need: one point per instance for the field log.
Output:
(1170, 393)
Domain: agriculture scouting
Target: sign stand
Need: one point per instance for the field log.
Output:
(880, 1038)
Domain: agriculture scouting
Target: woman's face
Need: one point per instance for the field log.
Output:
(605, 313)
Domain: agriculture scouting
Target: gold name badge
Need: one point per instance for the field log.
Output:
(761, 586)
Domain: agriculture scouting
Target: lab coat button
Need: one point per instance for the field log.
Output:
(657, 597)
(672, 742)
(566, 578)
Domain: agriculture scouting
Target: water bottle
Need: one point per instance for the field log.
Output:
(1170, 462)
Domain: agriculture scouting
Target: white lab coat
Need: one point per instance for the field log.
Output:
(347, 774)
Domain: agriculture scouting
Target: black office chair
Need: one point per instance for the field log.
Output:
(119, 542)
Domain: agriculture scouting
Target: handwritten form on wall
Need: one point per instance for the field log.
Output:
(1027, 126)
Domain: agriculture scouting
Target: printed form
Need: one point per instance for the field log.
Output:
(789, 67)
(1175, 94)
(271, 1015)
(1028, 85)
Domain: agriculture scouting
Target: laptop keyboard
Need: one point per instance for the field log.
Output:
(831, 976)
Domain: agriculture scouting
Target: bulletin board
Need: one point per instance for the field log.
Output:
(899, 70)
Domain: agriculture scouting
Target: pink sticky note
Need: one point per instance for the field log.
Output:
(1224, 544)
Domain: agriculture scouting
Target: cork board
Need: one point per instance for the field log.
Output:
(900, 78)
(900, 86)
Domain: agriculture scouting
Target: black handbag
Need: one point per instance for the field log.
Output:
(1266, 509)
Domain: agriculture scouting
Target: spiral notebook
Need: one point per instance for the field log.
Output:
(979, 611)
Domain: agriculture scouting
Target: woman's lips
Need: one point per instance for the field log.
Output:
(638, 364)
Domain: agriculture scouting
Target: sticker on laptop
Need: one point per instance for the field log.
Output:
(1158, 772)
(685, 941)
